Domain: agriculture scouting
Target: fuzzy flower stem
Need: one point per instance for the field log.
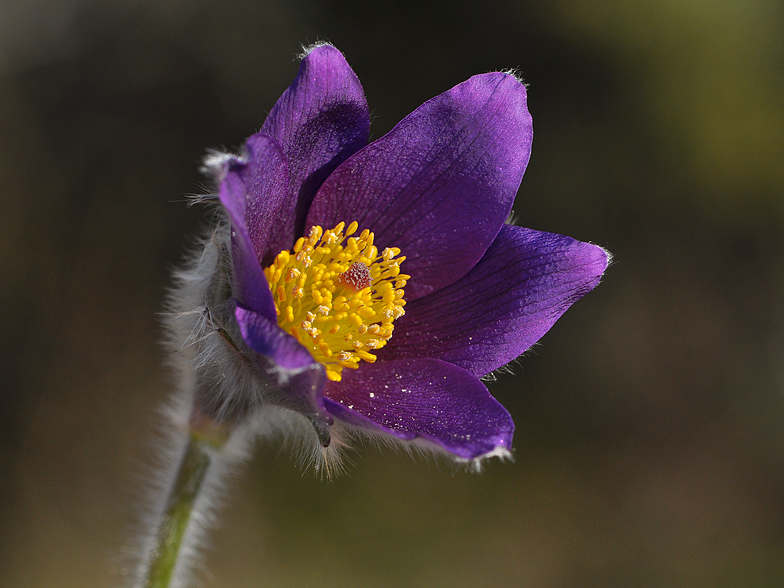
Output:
(184, 494)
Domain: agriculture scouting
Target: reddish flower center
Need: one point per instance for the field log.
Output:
(356, 277)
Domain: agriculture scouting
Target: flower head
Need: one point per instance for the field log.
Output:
(369, 287)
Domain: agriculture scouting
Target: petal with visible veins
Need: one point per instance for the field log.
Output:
(423, 398)
(319, 121)
(441, 183)
(506, 303)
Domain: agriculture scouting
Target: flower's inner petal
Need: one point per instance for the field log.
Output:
(506, 303)
(264, 337)
(338, 296)
(319, 121)
(441, 184)
(425, 398)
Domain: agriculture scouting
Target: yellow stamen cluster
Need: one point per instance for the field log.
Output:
(338, 296)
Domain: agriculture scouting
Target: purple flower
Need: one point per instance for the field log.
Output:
(343, 336)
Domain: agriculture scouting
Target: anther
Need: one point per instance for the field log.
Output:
(338, 295)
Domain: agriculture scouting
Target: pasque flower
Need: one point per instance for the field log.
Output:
(370, 287)
(351, 289)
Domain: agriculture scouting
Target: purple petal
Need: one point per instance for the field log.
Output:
(266, 337)
(523, 284)
(295, 380)
(318, 122)
(426, 398)
(441, 183)
(254, 192)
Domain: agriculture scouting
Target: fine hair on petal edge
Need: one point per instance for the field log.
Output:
(610, 256)
(512, 218)
(349, 436)
(215, 163)
(295, 435)
(507, 368)
(516, 74)
(307, 49)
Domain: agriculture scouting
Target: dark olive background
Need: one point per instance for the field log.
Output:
(650, 421)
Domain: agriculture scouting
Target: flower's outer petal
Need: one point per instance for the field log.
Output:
(522, 285)
(427, 398)
(439, 185)
(319, 121)
(254, 192)
(296, 380)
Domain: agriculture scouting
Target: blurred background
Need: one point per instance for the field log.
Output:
(650, 437)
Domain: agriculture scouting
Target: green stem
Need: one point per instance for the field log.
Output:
(184, 494)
